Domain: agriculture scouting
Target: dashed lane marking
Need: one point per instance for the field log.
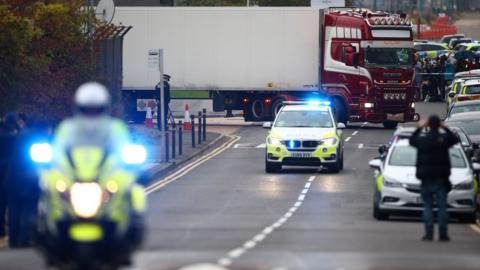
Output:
(355, 133)
(189, 167)
(348, 139)
(234, 254)
(360, 146)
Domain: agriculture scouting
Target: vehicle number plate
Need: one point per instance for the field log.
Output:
(400, 117)
(301, 155)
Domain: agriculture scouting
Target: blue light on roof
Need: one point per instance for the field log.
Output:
(315, 102)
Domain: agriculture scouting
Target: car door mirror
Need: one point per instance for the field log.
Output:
(341, 125)
(476, 167)
(376, 163)
(452, 94)
(382, 149)
(267, 125)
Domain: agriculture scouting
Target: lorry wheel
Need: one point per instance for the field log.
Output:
(340, 110)
(276, 106)
(390, 124)
(257, 109)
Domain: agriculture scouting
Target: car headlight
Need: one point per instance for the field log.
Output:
(392, 183)
(329, 141)
(41, 153)
(86, 199)
(134, 154)
(274, 141)
(464, 185)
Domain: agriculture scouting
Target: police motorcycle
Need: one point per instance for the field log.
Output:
(91, 209)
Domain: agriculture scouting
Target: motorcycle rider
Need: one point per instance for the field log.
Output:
(92, 126)
(91, 123)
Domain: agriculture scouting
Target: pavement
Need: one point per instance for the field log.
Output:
(222, 211)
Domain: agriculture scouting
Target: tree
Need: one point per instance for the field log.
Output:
(44, 55)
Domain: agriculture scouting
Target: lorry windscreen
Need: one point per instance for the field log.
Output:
(388, 57)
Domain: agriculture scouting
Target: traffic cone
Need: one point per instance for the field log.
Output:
(149, 118)
(187, 125)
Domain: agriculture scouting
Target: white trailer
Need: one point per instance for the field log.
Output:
(222, 48)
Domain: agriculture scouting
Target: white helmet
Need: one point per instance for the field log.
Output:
(92, 99)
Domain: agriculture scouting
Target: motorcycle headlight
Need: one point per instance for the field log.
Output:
(329, 141)
(134, 154)
(86, 199)
(464, 185)
(274, 141)
(392, 183)
(41, 153)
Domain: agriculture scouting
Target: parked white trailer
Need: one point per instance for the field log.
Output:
(254, 58)
(222, 48)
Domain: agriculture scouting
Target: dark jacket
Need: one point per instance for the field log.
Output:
(433, 159)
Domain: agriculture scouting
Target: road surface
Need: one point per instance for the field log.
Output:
(227, 212)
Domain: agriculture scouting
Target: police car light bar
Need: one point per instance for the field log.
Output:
(309, 102)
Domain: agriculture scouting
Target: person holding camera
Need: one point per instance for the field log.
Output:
(433, 170)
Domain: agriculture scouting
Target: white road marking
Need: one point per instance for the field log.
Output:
(360, 146)
(261, 146)
(252, 243)
(475, 227)
(183, 171)
(355, 133)
(348, 139)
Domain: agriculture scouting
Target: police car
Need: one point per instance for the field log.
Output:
(397, 190)
(470, 90)
(304, 134)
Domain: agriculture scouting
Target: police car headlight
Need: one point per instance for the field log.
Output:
(274, 141)
(41, 153)
(464, 185)
(329, 141)
(86, 199)
(134, 154)
(392, 183)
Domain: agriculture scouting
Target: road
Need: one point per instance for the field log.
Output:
(226, 211)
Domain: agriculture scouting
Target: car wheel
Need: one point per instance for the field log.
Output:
(390, 124)
(334, 168)
(468, 218)
(271, 167)
(378, 214)
(341, 159)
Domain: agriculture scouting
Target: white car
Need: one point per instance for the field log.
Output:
(397, 189)
(304, 134)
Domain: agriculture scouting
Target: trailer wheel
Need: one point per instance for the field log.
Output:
(340, 110)
(257, 109)
(276, 106)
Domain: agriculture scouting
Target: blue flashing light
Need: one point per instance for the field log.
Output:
(41, 153)
(291, 144)
(314, 102)
(134, 154)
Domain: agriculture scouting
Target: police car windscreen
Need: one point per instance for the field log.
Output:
(471, 127)
(313, 119)
(407, 156)
(465, 108)
(472, 90)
